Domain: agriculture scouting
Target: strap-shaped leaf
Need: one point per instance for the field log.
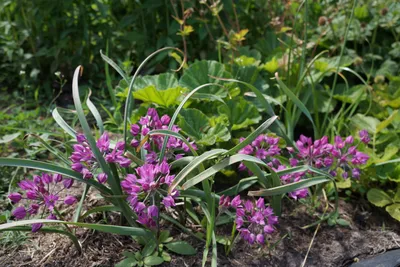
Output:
(26, 163)
(295, 100)
(95, 113)
(113, 229)
(61, 122)
(176, 113)
(193, 165)
(283, 189)
(216, 168)
(115, 66)
(129, 98)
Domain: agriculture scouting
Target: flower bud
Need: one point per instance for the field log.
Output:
(19, 213)
(15, 197)
(69, 200)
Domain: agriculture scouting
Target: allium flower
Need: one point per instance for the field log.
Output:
(263, 147)
(341, 154)
(253, 220)
(154, 143)
(149, 179)
(41, 193)
(84, 161)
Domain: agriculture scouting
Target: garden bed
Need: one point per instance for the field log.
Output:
(371, 232)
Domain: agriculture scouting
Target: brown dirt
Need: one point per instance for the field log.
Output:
(371, 232)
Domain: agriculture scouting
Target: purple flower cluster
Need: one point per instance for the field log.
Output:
(254, 221)
(153, 122)
(84, 161)
(321, 154)
(341, 154)
(41, 192)
(145, 185)
(263, 147)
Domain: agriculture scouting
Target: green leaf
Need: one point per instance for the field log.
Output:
(386, 122)
(216, 168)
(128, 262)
(149, 247)
(295, 100)
(160, 82)
(193, 165)
(394, 211)
(194, 123)
(397, 195)
(199, 73)
(220, 131)
(368, 123)
(378, 197)
(241, 113)
(272, 65)
(8, 137)
(176, 113)
(361, 12)
(181, 247)
(61, 122)
(95, 113)
(164, 98)
(153, 260)
(197, 125)
(113, 229)
(343, 222)
(47, 167)
(283, 189)
(114, 65)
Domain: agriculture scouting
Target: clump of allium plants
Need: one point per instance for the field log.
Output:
(156, 175)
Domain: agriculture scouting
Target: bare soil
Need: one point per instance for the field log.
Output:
(371, 232)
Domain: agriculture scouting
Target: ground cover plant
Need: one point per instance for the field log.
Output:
(222, 145)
